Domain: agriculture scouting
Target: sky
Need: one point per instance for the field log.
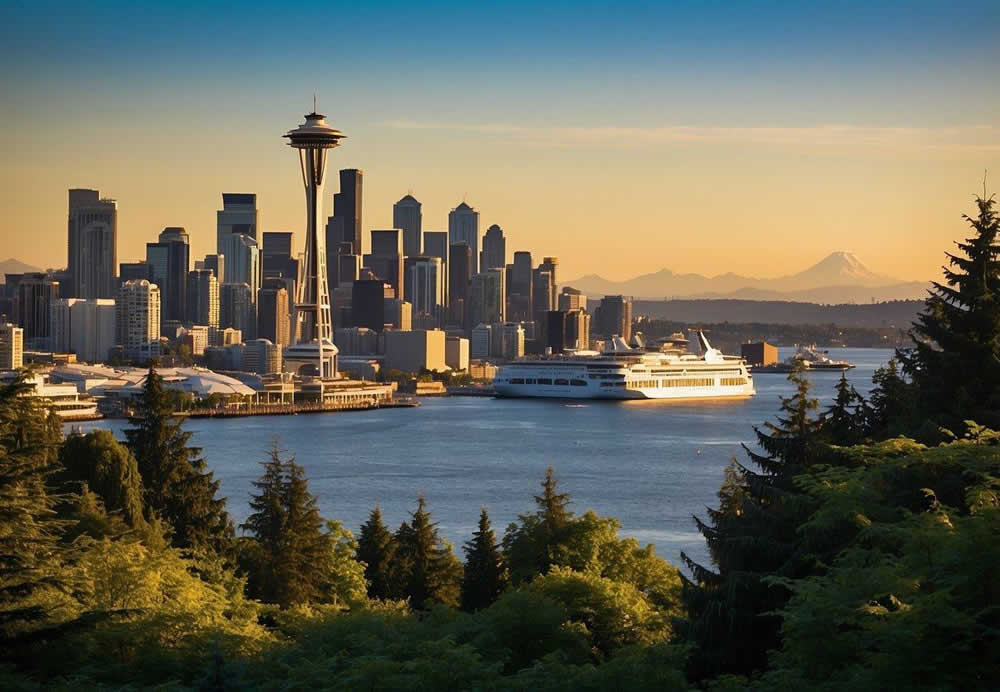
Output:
(622, 137)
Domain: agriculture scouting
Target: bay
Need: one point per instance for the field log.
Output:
(652, 465)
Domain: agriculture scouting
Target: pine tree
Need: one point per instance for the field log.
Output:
(531, 546)
(105, 467)
(432, 572)
(892, 403)
(266, 524)
(844, 423)
(176, 485)
(956, 362)
(30, 550)
(485, 574)
(753, 536)
(377, 549)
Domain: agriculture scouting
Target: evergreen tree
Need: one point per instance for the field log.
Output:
(176, 485)
(844, 423)
(531, 547)
(956, 362)
(432, 572)
(377, 549)
(892, 403)
(30, 553)
(108, 469)
(753, 536)
(485, 574)
(288, 560)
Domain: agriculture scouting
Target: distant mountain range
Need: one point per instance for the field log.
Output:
(838, 278)
(13, 266)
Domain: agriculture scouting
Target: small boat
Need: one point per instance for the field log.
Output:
(809, 357)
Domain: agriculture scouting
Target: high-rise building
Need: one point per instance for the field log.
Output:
(572, 299)
(398, 314)
(276, 256)
(407, 217)
(196, 337)
(217, 264)
(549, 265)
(481, 341)
(272, 313)
(34, 293)
(425, 286)
(170, 260)
(238, 215)
(542, 292)
(93, 245)
(487, 297)
(137, 320)
(463, 227)
(85, 327)
(494, 254)
(237, 309)
(261, 356)
(459, 276)
(134, 271)
(348, 267)
(11, 347)
(614, 317)
(368, 298)
(456, 353)
(513, 340)
(519, 292)
(203, 298)
(347, 205)
(242, 266)
(386, 258)
(436, 245)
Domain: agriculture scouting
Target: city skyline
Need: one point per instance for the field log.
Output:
(833, 133)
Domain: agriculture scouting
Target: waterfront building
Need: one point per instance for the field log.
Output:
(572, 299)
(92, 244)
(272, 313)
(481, 341)
(33, 295)
(463, 227)
(459, 276)
(487, 300)
(415, 350)
(238, 215)
(11, 347)
(85, 327)
(261, 356)
(202, 297)
(407, 216)
(512, 340)
(137, 320)
(356, 341)
(456, 353)
(236, 309)
(494, 254)
(170, 259)
(613, 317)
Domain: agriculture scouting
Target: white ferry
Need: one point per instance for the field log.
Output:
(629, 372)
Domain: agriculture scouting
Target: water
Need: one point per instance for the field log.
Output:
(650, 464)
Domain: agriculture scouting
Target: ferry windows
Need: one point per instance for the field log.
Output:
(733, 382)
(544, 380)
(517, 380)
(561, 381)
(578, 383)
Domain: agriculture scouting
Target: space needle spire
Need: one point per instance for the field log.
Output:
(312, 139)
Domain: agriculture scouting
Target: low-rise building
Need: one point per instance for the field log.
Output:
(11, 347)
(456, 353)
(415, 350)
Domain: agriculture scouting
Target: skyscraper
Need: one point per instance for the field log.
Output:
(614, 317)
(520, 290)
(137, 320)
(463, 227)
(368, 298)
(347, 206)
(238, 215)
(93, 245)
(494, 254)
(237, 309)
(543, 293)
(386, 258)
(312, 139)
(202, 298)
(134, 271)
(425, 287)
(549, 265)
(170, 260)
(459, 275)
(407, 217)
(572, 299)
(84, 327)
(242, 263)
(34, 294)
(487, 297)
(272, 313)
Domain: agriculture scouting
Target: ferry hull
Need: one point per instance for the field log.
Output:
(621, 394)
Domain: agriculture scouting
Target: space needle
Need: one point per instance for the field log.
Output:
(315, 345)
